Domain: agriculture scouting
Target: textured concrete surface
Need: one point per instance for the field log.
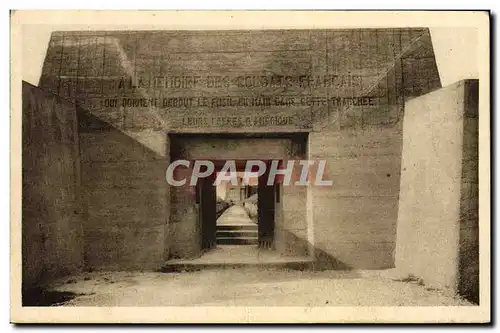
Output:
(250, 287)
(354, 220)
(124, 199)
(437, 236)
(52, 230)
(468, 284)
(362, 62)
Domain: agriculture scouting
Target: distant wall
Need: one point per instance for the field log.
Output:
(437, 236)
(52, 244)
(124, 198)
(355, 218)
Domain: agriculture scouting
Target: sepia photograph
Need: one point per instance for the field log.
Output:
(250, 167)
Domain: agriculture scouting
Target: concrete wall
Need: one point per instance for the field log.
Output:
(292, 227)
(52, 244)
(468, 284)
(365, 75)
(437, 235)
(104, 71)
(125, 199)
(354, 221)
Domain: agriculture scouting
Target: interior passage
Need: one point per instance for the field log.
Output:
(235, 215)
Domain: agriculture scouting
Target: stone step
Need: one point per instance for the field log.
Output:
(226, 227)
(237, 233)
(301, 265)
(237, 240)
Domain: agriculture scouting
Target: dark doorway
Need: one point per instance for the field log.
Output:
(194, 212)
(237, 212)
(266, 212)
(207, 202)
(214, 232)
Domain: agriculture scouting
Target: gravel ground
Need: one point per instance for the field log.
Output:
(248, 287)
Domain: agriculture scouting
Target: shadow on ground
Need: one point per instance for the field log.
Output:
(43, 297)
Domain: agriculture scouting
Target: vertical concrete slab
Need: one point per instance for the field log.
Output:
(184, 220)
(52, 244)
(355, 218)
(468, 265)
(437, 219)
(292, 228)
(125, 196)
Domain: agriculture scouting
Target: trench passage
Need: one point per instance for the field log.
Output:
(237, 234)
(239, 220)
(236, 213)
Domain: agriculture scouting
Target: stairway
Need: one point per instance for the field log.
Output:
(237, 234)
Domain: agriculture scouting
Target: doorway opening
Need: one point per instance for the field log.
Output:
(237, 209)
(279, 211)
(240, 212)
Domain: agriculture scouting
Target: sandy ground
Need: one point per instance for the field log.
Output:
(240, 254)
(249, 287)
